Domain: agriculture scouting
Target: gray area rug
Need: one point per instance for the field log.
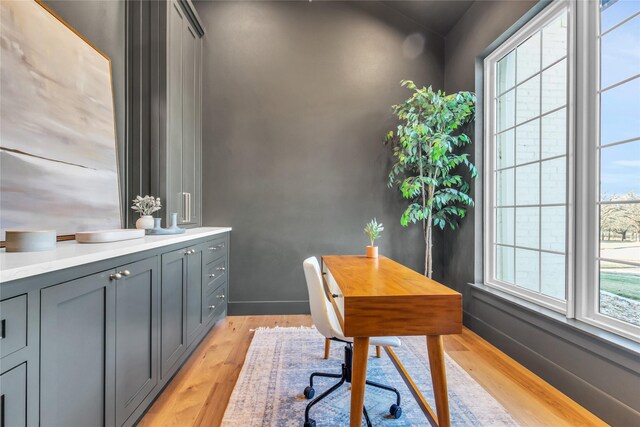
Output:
(277, 367)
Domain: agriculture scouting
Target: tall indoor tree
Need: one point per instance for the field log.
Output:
(428, 167)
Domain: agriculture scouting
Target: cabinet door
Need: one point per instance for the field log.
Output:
(194, 292)
(190, 110)
(77, 342)
(197, 200)
(172, 310)
(136, 335)
(175, 199)
(184, 85)
(13, 397)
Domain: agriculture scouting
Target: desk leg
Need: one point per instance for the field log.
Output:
(358, 378)
(439, 378)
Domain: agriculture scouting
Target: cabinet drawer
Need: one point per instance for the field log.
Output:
(216, 273)
(13, 325)
(215, 249)
(215, 302)
(13, 397)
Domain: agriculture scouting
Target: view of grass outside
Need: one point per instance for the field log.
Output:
(620, 257)
(624, 285)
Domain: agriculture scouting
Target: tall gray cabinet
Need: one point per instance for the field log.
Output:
(165, 106)
(180, 179)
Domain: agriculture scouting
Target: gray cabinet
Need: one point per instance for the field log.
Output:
(194, 281)
(95, 345)
(173, 328)
(179, 88)
(77, 339)
(165, 106)
(13, 397)
(99, 338)
(136, 335)
(181, 312)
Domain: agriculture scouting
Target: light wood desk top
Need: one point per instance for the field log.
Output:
(359, 276)
(376, 297)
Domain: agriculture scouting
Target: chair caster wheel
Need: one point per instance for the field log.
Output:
(310, 423)
(309, 392)
(395, 411)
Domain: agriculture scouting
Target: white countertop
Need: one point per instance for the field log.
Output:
(18, 265)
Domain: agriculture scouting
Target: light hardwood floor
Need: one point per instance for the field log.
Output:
(199, 392)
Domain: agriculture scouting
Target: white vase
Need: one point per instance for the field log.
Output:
(144, 222)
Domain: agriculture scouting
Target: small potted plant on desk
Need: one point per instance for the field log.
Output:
(373, 230)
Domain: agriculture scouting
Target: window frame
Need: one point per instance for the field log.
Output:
(588, 219)
(583, 186)
(547, 15)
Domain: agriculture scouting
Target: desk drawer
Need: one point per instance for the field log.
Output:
(215, 302)
(13, 325)
(334, 289)
(216, 273)
(215, 249)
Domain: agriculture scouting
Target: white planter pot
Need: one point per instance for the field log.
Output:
(144, 222)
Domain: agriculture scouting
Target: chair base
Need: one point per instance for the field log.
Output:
(345, 377)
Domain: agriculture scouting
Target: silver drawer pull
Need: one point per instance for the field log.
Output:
(211, 307)
(115, 276)
(125, 273)
(216, 247)
(212, 275)
(220, 269)
(221, 296)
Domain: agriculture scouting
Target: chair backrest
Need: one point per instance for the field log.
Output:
(322, 312)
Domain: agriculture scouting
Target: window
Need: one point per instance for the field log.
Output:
(527, 157)
(616, 255)
(562, 178)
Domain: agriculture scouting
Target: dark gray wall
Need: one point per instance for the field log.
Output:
(297, 98)
(597, 369)
(103, 23)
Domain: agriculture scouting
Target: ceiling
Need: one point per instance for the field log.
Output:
(438, 16)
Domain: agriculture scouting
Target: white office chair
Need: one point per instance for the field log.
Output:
(326, 322)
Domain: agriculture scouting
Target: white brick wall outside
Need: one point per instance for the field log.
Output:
(527, 227)
(527, 184)
(553, 228)
(537, 183)
(527, 269)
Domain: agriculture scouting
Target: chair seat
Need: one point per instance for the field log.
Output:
(385, 341)
(381, 341)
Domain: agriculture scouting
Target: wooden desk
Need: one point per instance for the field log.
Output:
(379, 297)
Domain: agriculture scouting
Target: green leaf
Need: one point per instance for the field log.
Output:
(427, 158)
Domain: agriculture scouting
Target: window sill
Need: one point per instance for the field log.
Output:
(579, 333)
